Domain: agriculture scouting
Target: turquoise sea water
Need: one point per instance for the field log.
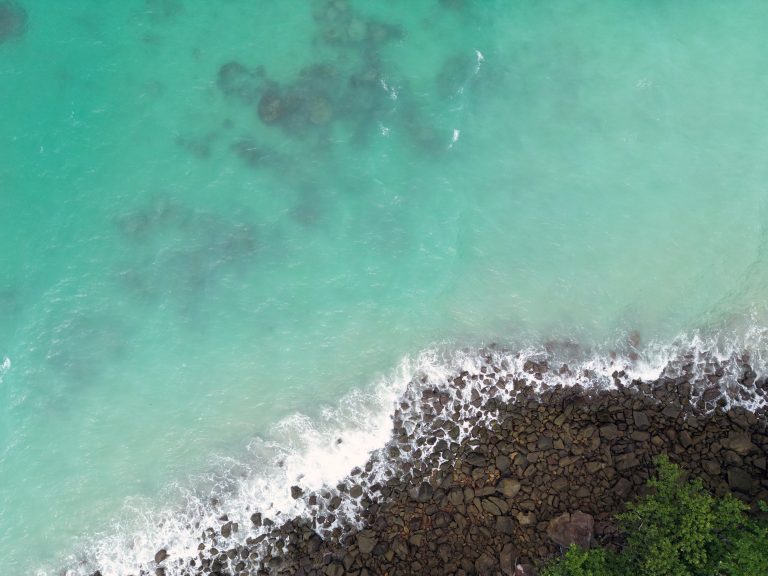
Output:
(192, 253)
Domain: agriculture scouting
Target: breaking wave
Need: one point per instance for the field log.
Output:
(320, 456)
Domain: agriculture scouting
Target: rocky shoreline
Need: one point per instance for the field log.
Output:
(484, 468)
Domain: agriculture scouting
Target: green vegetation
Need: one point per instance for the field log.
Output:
(678, 530)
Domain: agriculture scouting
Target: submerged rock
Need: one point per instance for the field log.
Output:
(271, 107)
(13, 20)
(236, 80)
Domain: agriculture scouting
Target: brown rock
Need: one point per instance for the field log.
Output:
(525, 570)
(739, 480)
(334, 569)
(593, 467)
(509, 487)
(622, 488)
(485, 565)
(711, 467)
(627, 461)
(641, 420)
(490, 507)
(505, 525)
(508, 559)
(526, 519)
(739, 442)
(609, 431)
(576, 528)
(638, 436)
(366, 541)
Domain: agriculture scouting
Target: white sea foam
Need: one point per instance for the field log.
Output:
(4, 367)
(318, 454)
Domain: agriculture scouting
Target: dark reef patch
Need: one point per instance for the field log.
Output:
(13, 20)
(185, 254)
(163, 9)
(198, 146)
(82, 346)
(238, 81)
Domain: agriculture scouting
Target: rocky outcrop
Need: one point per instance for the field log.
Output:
(501, 472)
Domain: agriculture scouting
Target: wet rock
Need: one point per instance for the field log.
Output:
(226, 530)
(296, 492)
(13, 20)
(160, 555)
(533, 367)
(576, 528)
(356, 491)
(425, 492)
(476, 459)
(256, 519)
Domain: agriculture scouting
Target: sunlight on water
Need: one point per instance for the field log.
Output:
(215, 216)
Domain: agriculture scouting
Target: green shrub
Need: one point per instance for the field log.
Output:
(678, 530)
(578, 562)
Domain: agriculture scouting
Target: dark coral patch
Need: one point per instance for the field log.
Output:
(13, 20)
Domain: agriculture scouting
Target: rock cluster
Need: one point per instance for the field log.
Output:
(500, 473)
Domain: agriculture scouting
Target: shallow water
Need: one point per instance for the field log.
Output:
(188, 264)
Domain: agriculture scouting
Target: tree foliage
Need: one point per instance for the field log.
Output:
(679, 529)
